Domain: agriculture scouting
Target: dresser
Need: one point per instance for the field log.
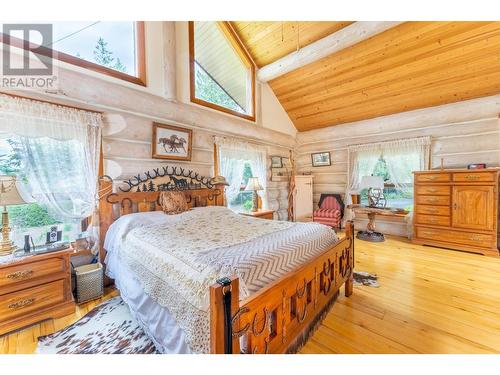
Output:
(303, 198)
(457, 209)
(34, 288)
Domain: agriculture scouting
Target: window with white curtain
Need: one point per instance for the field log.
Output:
(395, 161)
(54, 151)
(395, 197)
(238, 161)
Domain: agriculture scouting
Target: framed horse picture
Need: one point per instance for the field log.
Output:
(171, 142)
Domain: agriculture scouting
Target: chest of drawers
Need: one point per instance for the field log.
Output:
(33, 289)
(457, 209)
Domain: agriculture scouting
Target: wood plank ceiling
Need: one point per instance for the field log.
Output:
(413, 65)
(269, 41)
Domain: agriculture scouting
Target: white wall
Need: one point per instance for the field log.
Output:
(462, 133)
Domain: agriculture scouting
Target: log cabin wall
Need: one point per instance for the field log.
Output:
(127, 151)
(462, 133)
(129, 111)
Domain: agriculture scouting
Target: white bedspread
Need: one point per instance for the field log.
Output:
(175, 264)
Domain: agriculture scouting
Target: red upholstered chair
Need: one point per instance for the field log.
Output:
(330, 211)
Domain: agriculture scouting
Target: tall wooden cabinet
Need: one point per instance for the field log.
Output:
(303, 198)
(457, 209)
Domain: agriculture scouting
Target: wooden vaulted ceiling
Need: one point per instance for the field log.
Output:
(270, 40)
(413, 65)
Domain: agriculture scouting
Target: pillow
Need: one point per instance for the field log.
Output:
(173, 202)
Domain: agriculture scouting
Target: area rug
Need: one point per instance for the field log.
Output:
(107, 329)
(365, 279)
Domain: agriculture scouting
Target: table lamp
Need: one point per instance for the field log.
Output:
(254, 186)
(9, 195)
(375, 186)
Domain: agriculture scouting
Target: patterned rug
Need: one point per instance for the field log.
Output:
(365, 279)
(107, 329)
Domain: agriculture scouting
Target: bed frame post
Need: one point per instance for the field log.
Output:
(105, 212)
(221, 198)
(349, 232)
(218, 326)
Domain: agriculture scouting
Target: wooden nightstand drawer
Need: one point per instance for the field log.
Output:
(474, 177)
(433, 190)
(438, 200)
(458, 237)
(24, 301)
(433, 177)
(23, 272)
(35, 288)
(434, 220)
(433, 210)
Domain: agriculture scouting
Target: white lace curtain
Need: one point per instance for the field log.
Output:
(402, 157)
(59, 149)
(233, 154)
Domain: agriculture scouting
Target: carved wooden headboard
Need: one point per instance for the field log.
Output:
(141, 193)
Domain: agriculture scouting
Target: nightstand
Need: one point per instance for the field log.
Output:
(34, 288)
(262, 214)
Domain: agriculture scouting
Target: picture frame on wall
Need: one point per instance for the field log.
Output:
(276, 162)
(171, 142)
(321, 159)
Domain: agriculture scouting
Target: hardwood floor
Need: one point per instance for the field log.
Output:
(429, 301)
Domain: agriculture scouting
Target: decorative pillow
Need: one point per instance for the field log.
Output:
(173, 202)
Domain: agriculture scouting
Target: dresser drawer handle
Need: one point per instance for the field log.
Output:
(20, 275)
(432, 190)
(432, 210)
(21, 304)
(475, 238)
(429, 233)
(432, 178)
(433, 200)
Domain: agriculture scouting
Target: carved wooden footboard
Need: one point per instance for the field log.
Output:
(279, 318)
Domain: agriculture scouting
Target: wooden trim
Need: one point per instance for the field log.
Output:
(247, 60)
(140, 79)
(216, 160)
(154, 153)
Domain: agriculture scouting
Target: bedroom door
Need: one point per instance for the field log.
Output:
(303, 198)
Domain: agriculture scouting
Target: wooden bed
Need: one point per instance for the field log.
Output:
(276, 319)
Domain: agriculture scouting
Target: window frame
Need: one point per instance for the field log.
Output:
(140, 47)
(245, 57)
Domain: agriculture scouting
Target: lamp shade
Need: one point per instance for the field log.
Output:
(254, 184)
(9, 194)
(375, 182)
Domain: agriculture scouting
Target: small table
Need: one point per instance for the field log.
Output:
(263, 214)
(370, 234)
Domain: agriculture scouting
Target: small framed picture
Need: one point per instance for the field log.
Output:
(321, 159)
(171, 142)
(276, 162)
